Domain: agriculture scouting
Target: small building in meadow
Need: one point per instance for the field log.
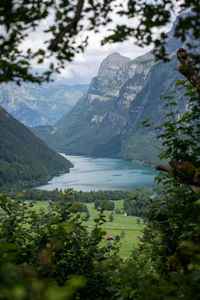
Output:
(140, 238)
(109, 238)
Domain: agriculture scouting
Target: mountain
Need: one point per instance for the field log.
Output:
(25, 160)
(142, 144)
(35, 105)
(125, 92)
(95, 124)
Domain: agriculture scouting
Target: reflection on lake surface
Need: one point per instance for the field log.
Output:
(93, 174)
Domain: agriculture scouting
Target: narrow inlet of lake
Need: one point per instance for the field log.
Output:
(94, 174)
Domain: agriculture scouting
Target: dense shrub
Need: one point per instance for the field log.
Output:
(50, 255)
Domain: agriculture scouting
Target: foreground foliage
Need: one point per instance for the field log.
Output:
(170, 247)
(66, 30)
(51, 255)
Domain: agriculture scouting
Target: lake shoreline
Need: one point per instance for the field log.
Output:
(94, 174)
(142, 162)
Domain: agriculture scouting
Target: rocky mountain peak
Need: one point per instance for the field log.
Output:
(113, 61)
(117, 58)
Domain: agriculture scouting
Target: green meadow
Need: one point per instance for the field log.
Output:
(121, 224)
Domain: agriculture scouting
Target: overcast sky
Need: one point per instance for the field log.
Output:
(86, 65)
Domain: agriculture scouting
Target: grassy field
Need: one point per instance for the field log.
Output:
(120, 223)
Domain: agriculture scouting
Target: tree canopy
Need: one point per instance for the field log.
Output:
(64, 28)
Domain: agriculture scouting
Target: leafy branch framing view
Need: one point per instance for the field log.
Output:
(54, 252)
(66, 21)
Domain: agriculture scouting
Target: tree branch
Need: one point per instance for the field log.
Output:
(164, 168)
(186, 168)
(187, 70)
(68, 28)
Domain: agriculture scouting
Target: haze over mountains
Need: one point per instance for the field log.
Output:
(36, 105)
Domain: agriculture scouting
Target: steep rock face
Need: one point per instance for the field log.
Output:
(141, 144)
(110, 78)
(35, 105)
(25, 160)
(95, 124)
(111, 64)
(137, 71)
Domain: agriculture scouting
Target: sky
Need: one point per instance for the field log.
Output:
(85, 65)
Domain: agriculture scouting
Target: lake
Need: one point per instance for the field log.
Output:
(93, 174)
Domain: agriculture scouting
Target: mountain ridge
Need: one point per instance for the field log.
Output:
(25, 160)
(36, 105)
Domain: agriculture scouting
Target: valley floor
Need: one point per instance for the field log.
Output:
(126, 226)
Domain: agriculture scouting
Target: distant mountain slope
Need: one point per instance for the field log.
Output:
(25, 160)
(95, 124)
(35, 105)
(142, 144)
(79, 127)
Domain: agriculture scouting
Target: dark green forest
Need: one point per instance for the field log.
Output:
(24, 159)
(86, 197)
(50, 254)
(136, 202)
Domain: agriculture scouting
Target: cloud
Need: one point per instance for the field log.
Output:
(85, 65)
(84, 70)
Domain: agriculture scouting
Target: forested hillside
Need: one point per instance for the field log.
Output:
(25, 160)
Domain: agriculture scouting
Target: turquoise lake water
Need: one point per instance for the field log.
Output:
(93, 174)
